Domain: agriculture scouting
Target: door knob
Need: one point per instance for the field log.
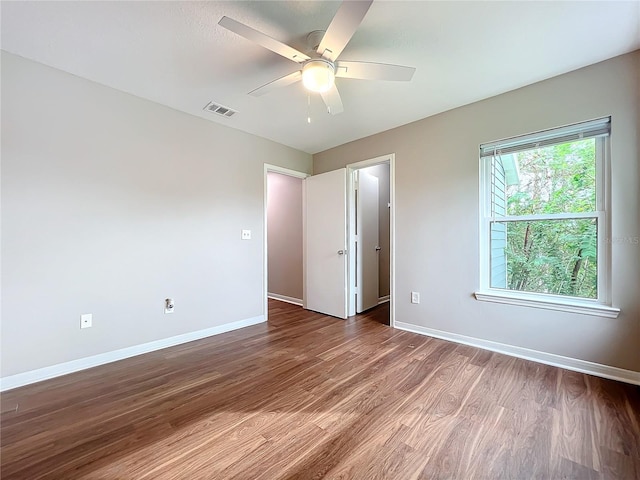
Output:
(378, 249)
(341, 252)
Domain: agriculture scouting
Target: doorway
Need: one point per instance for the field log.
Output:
(283, 235)
(329, 248)
(371, 216)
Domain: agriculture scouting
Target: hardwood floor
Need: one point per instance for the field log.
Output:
(378, 314)
(307, 397)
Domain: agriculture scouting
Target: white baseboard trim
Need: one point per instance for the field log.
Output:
(26, 378)
(284, 298)
(385, 299)
(582, 366)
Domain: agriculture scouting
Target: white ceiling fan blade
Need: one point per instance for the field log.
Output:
(342, 27)
(280, 82)
(332, 100)
(374, 71)
(261, 39)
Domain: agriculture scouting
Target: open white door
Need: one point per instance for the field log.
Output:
(367, 241)
(326, 243)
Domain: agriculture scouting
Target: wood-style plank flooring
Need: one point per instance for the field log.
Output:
(379, 314)
(306, 396)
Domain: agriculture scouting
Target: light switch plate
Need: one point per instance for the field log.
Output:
(246, 234)
(415, 297)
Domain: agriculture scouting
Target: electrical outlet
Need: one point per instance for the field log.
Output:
(169, 305)
(246, 234)
(86, 320)
(415, 297)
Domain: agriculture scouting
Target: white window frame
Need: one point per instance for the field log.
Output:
(601, 306)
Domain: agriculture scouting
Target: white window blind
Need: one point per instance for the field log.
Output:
(590, 129)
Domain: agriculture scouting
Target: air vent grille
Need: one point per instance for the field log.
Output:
(220, 110)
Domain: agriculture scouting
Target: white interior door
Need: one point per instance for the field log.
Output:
(326, 243)
(367, 241)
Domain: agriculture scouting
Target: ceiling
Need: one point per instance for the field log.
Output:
(176, 54)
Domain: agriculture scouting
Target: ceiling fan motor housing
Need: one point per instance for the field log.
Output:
(313, 40)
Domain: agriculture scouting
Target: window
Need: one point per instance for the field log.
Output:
(544, 219)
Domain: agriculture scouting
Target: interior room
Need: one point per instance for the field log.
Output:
(320, 239)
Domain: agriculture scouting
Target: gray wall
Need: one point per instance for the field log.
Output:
(284, 235)
(382, 171)
(437, 222)
(110, 204)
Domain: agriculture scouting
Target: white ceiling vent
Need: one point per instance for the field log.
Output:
(219, 109)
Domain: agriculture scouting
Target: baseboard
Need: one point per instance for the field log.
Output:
(284, 298)
(582, 366)
(385, 299)
(26, 378)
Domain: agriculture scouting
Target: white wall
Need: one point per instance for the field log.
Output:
(110, 204)
(284, 235)
(437, 216)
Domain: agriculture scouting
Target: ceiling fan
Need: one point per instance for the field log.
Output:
(319, 69)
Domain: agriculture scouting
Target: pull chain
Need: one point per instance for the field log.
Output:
(308, 108)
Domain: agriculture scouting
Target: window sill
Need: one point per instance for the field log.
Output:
(550, 303)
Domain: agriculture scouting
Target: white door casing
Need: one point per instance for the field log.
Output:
(367, 241)
(326, 243)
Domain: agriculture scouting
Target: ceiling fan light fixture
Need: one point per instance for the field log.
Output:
(318, 75)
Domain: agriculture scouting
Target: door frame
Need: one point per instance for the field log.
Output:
(389, 159)
(265, 268)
